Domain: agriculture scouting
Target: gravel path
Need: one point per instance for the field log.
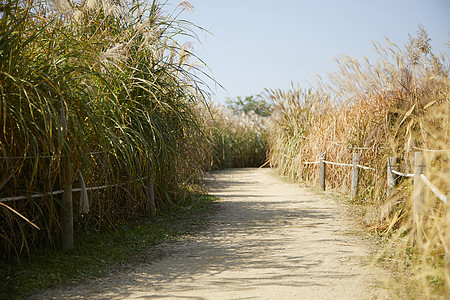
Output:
(269, 240)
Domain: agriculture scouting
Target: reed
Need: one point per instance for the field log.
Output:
(379, 109)
(237, 139)
(99, 87)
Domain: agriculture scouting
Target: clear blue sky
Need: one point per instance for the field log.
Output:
(259, 44)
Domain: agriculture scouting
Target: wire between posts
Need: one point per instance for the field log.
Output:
(16, 198)
(348, 165)
(337, 164)
(434, 189)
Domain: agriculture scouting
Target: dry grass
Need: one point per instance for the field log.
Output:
(379, 109)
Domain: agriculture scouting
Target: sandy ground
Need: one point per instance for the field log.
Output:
(269, 240)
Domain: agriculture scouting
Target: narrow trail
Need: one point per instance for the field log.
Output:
(269, 240)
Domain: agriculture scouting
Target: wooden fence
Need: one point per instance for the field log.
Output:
(420, 182)
(420, 179)
(66, 194)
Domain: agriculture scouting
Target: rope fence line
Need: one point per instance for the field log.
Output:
(349, 165)
(45, 156)
(37, 195)
(59, 192)
(434, 189)
(67, 232)
(366, 168)
(365, 148)
(419, 179)
(338, 164)
(311, 162)
(391, 171)
(430, 150)
(402, 174)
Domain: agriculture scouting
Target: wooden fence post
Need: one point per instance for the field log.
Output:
(149, 192)
(391, 182)
(322, 172)
(418, 195)
(152, 206)
(355, 175)
(67, 209)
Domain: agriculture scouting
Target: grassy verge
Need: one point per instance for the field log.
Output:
(97, 252)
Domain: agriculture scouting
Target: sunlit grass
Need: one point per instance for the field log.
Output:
(238, 139)
(98, 88)
(379, 109)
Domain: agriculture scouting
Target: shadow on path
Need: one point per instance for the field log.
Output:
(269, 240)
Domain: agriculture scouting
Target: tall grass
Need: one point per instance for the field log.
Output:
(237, 139)
(379, 109)
(98, 88)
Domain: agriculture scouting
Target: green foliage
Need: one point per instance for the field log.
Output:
(107, 93)
(258, 104)
(237, 140)
(97, 252)
(238, 133)
(241, 149)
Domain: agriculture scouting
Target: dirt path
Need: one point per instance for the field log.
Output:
(270, 240)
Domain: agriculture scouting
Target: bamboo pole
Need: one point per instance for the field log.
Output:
(355, 175)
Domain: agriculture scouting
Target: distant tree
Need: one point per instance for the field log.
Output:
(258, 104)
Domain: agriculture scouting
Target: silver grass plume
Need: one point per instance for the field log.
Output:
(116, 8)
(113, 56)
(92, 4)
(77, 16)
(186, 5)
(185, 53)
(63, 6)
